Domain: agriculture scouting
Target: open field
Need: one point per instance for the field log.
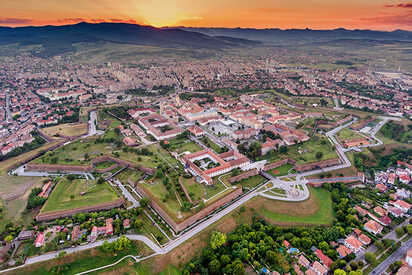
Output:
(317, 210)
(9, 163)
(68, 195)
(18, 188)
(309, 101)
(133, 175)
(345, 172)
(69, 129)
(306, 152)
(82, 151)
(199, 191)
(182, 145)
(347, 134)
(281, 170)
(251, 182)
(75, 152)
(82, 261)
(206, 141)
(167, 201)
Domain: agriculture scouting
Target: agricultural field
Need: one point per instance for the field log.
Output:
(69, 195)
(69, 130)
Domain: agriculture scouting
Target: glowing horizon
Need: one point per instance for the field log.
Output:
(282, 14)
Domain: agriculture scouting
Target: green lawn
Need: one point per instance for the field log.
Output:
(181, 145)
(324, 215)
(74, 153)
(199, 191)
(167, 201)
(196, 190)
(67, 195)
(133, 175)
(170, 270)
(104, 164)
(281, 170)
(252, 181)
(346, 134)
(211, 145)
(83, 261)
(306, 152)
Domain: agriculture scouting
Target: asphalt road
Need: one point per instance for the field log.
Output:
(397, 255)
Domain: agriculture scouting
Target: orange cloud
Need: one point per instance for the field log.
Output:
(15, 21)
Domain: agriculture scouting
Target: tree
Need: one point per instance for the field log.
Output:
(100, 180)
(217, 240)
(238, 268)
(323, 246)
(283, 149)
(138, 224)
(370, 258)
(339, 272)
(409, 228)
(8, 239)
(399, 232)
(144, 202)
(214, 266)
(319, 155)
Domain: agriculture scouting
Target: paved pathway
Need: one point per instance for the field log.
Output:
(126, 193)
(397, 255)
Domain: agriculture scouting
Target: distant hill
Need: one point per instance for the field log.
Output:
(302, 36)
(59, 39)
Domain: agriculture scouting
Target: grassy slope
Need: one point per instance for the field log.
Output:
(60, 197)
(7, 164)
(315, 211)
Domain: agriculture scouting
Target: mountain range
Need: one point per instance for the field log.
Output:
(60, 39)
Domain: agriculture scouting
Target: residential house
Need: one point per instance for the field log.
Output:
(303, 261)
(353, 244)
(381, 187)
(402, 205)
(319, 268)
(365, 240)
(323, 258)
(343, 251)
(39, 242)
(373, 227)
(396, 212)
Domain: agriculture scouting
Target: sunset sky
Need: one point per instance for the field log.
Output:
(316, 14)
